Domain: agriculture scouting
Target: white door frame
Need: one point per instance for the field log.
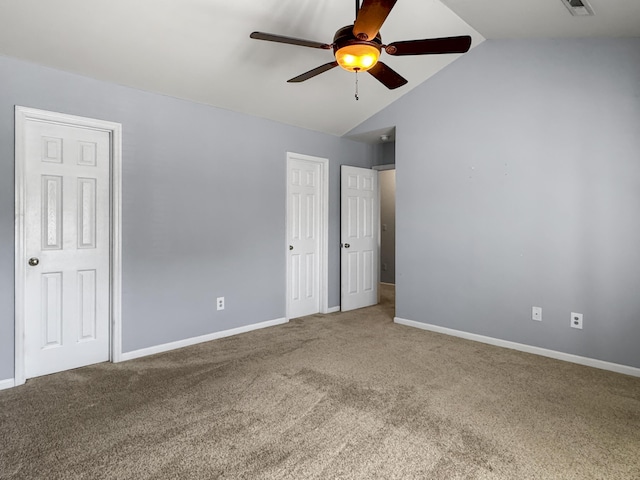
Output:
(381, 168)
(22, 116)
(323, 273)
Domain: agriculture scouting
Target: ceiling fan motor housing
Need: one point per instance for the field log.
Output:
(353, 54)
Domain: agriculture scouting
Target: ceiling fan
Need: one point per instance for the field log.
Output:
(357, 47)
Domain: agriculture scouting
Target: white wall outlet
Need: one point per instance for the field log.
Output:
(576, 320)
(536, 313)
(220, 303)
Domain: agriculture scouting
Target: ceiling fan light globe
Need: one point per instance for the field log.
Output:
(357, 57)
(367, 61)
(349, 59)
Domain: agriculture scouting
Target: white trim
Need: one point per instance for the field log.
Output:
(567, 357)
(20, 247)
(333, 309)
(22, 115)
(324, 229)
(378, 233)
(204, 338)
(324, 236)
(387, 283)
(8, 383)
(116, 242)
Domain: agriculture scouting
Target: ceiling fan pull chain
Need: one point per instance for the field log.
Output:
(357, 98)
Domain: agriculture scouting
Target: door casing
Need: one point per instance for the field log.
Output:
(323, 273)
(22, 116)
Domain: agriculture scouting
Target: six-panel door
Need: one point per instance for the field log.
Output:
(67, 242)
(359, 237)
(303, 235)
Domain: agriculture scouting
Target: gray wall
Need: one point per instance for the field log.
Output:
(518, 184)
(387, 180)
(384, 153)
(203, 205)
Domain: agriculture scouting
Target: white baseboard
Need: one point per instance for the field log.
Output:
(387, 283)
(567, 357)
(8, 383)
(333, 309)
(195, 340)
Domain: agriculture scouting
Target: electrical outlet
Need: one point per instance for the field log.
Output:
(220, 303)
(576, 320)
(536, 313)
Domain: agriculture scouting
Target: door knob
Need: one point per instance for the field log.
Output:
(346, 245)
(33, 261)
(290, 247)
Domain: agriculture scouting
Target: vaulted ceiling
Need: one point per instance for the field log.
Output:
(200, 50)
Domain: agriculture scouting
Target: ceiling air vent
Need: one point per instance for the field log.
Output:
(578, 8)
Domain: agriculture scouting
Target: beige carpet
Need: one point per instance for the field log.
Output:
(350, 396)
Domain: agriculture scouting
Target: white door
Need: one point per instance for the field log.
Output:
(66, 321)
(359, 237)
(303, 236)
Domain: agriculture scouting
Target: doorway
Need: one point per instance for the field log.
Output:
(387, 180)
(383, 143)
(67, 261)
(385, 162)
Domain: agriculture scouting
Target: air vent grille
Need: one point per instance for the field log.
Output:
(578, 8)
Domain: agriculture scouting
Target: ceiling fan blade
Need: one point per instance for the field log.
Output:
(387, 76)
(289, 40)
(430, 46)
(313, 73)
(371, 16)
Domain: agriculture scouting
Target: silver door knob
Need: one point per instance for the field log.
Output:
(346, 245)
(33, 261)
(290, 247)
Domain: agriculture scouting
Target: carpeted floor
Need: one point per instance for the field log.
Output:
(350, 396)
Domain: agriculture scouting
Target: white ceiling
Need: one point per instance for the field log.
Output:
(200, 50)
(548, 18)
